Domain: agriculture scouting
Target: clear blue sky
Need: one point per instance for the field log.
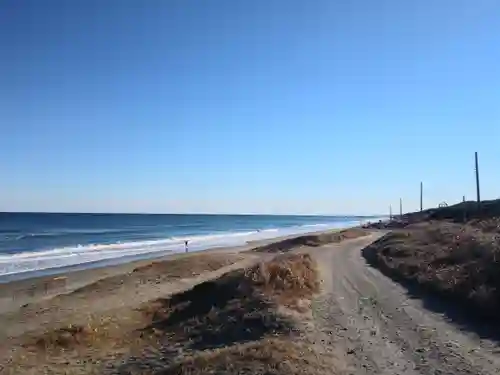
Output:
(247, 106)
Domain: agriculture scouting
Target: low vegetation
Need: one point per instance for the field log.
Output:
(458, 260)
(231, 325)
(267, 356)
(244, 322)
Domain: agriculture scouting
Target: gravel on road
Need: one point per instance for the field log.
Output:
(375, 328)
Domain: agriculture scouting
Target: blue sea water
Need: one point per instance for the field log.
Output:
(40, 241)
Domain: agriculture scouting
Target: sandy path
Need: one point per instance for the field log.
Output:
(370, 321)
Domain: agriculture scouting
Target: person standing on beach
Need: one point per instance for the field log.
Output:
(186, 245)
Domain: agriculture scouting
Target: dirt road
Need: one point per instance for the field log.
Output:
(372, 324)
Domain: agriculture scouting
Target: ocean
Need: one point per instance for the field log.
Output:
(31, 242)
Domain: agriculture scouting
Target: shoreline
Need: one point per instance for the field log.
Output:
(46, 259)
(157, 255)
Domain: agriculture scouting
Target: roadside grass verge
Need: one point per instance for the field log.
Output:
(459, 262)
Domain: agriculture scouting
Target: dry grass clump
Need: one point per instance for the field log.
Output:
(239, 307)
(233, 324)
(96, 333)
(460, 261)
(64, 337)
(268, 356)
(286, 278)
(312, 240)
(488, 225)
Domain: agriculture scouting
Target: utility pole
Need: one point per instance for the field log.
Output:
(421, 196)
(465, 209)
(400, 208)
(390, 212)
(477, 183)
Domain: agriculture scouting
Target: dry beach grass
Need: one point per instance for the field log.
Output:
(225, 312)
(229, 324)
(460, 261)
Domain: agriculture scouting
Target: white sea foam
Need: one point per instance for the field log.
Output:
(28, 262)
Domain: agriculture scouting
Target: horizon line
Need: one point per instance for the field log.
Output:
(180, 213)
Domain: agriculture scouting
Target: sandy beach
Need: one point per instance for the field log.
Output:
(16, 293)
(108, 299)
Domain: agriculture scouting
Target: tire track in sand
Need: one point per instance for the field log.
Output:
(376, 329)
